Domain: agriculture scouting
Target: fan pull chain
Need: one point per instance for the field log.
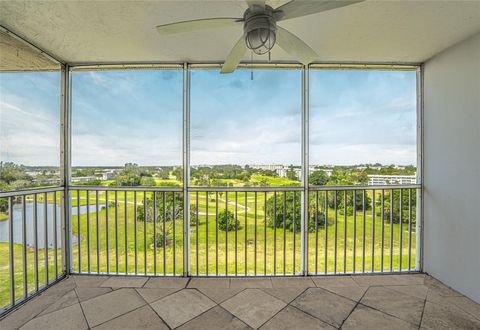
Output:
(251, 63)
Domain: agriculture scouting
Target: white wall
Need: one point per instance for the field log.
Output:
(452, 167)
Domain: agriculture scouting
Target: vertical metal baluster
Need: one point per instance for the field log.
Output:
(354, 252)
(197, 236)
(88, 231)
(274, 233)
(164, 233)
(11, 252)
(107, 229)
(373, 230)
(35, 238)
(294, 232)
(284, 231)
(265, 234)
(206, 230)
(226, 234)
(255, 235)
(363, 231)
(79, 237)
(216, 233)
(45, 235)
(116, 231)
(344, 231)
(145, 232)
(135, 227)
(383, 229)
(400, 230)
(98, 233)
(174, 218)
(236, 230)
(55, 243)
(24, 246)
(154, 232)
(246, 238)
(335, 234)
(326, 233)
(391, 229)
(409, 228)
(316, 232)
(126, 231)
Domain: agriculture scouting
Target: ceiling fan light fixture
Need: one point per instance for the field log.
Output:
(260, 30)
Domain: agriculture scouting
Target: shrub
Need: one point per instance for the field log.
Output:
(226, 221)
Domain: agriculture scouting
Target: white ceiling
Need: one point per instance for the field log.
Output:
(116, 31)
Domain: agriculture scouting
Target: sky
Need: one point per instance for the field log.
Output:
(136, 116)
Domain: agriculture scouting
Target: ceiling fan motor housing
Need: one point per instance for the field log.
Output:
(260, 29)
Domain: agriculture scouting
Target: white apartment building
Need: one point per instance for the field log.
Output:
(377, 179)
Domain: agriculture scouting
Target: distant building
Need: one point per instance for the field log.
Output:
(267, 167)
(377, 179)
(84, 178)
(110, 175)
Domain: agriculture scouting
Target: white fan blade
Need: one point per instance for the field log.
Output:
(235, 56)
(198, 24)
(251, 3)
(294, 8)
(294, 46)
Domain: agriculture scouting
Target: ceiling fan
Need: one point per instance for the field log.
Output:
(260, 29)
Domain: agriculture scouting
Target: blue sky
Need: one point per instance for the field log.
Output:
(136, 116)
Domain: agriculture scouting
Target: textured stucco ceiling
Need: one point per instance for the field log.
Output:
(15, 55)
(120, 31)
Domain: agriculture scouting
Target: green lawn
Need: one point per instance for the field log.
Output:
(241, 251)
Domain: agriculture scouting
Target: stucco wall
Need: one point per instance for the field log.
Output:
(452, 167)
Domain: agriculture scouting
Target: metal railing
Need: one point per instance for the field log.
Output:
(244, 231)
(127, 231)
(363, 229)
(31, 231)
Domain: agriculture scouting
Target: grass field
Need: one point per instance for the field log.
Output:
(253, 248)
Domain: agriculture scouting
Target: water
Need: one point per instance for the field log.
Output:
(17, 224)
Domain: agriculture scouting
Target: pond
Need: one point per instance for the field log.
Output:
(17, 224)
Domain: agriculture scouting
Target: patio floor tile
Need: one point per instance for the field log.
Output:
(253, 306)
(124, 282)
(182, 306)
(219, 295)
(364, 317)
(215, 318)
(292, 282)
(166, 282)
(89, 293)
(326, 306)
(67, 318)
(293, 318)
(141, 318)
(285, 294)
(209, 283)
(89, 281)
(108, 306)
(69, 299)
(250, 283)
(393, 302)
(151, 295)
(438, 316)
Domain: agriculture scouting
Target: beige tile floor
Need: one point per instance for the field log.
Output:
(413, 301)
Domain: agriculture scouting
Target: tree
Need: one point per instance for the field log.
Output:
(168, 206)
(147, 181)
(193, 215)
(3, 204)
(226, 221)
(318, 178)
(292, 216)
(396, 206)
(178, 173)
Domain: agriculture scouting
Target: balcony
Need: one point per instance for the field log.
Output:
(141, 188)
